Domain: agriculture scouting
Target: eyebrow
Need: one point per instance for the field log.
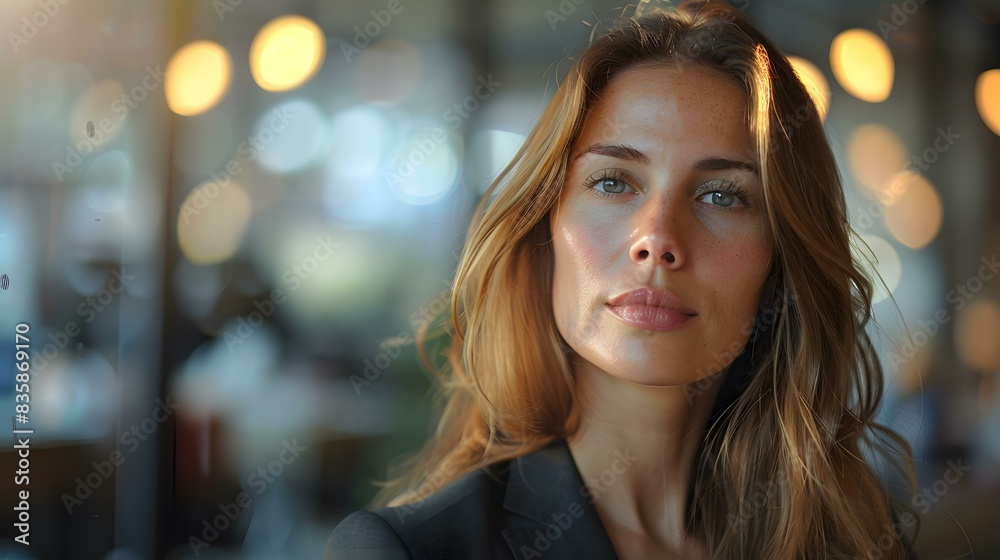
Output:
(617, 151)
(714, 163)
(628, 153)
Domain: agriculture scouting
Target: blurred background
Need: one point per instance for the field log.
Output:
(223, 220)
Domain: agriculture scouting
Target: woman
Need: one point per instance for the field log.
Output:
(658, 343)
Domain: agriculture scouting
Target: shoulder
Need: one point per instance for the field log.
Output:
(366, 533)
(457, 516)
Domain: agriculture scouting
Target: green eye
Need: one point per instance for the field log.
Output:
(610, 183)
(722, 198)
(724, 194)
(612, 186)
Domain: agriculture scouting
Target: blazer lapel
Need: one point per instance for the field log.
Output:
(555, 519)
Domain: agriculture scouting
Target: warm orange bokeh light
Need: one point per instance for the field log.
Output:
(862, 64)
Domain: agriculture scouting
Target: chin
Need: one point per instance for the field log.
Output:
(652, 377)
(648, 372)
(666, 360)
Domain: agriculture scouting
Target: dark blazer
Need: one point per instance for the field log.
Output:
(534, 506)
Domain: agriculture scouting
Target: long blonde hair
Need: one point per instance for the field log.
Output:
(789, 448)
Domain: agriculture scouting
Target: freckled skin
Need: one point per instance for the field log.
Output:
(606, 246)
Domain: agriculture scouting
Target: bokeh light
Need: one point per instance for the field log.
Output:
(887, 264)
(286, 53)
(76, 398)
(988, 98)
(217, 378)
(388, 72)
(212, 222)
(291, 136)
(359, 201)
(331, 275)
(107, 180)
(489, 151)
(976, 336)
(101, 104)
(425, 168)
(359, 137)
(862, 64)
(816, 84)
(355, 191)
(197, 288)
(197, 77)
(875, 153)
(915, 215)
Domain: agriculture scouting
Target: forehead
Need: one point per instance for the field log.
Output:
(667, 106)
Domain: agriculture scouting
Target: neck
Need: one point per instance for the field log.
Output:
(635, 447)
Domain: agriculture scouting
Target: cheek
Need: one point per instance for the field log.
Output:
(583, 248)
(581, 251)
(738, 272)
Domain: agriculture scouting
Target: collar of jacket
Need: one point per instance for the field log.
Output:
(555, 515)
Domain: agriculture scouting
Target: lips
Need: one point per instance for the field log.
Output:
(652, 298)
(653, 310)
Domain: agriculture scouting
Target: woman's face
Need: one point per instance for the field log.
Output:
(662, 193)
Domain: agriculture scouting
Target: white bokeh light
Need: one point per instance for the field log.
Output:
(106, 181)
(489, 151)
(291, 137)
(888, 265)
(425, 167)
(358, 140)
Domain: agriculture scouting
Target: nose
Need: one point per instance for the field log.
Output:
(655, 248)
(657, 240)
